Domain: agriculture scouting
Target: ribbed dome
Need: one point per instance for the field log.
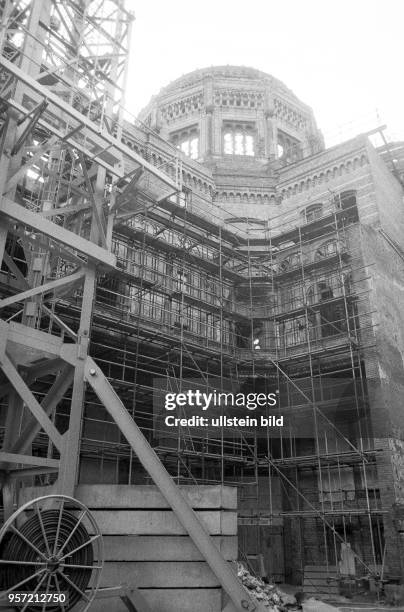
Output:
(228, 71)
(218, 111)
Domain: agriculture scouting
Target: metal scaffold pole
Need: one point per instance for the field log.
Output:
(59, 113)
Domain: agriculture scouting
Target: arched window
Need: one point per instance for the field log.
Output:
(289, 149)
(331, 316)
(345, 200)
(290, 262)
(182, 281)
(292, 297)
(320, 292)
(182, 315)
(312, 212)
(239, 139)
(347, 280)
(187, 141)
(293, 331)
(327, 249)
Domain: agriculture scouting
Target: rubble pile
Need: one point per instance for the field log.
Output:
(267, 594)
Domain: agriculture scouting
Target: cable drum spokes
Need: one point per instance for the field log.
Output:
(51, 545)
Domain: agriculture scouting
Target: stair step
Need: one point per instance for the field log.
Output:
(320, 568)
(320, 579)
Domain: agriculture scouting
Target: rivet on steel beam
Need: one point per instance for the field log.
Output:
(93, 372)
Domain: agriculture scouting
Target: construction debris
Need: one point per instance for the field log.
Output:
(268, 594)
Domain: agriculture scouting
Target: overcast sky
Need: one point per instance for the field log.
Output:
(342, 57)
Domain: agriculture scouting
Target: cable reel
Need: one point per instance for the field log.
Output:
(51, 556)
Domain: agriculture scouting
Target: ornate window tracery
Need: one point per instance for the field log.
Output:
(345, 199)
(239, 139)
(187, 141)
(289, 148)
(327, 249)
(290, 262)
(312, 212)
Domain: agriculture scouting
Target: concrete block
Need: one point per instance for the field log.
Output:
(161, 522)
(146, 496)
(169, 600)
(159, 574)
(167, 548)
(197, 600)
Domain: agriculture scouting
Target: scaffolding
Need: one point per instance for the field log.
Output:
(195, 300)
(185, 309)
(69, 182)
(316, 362)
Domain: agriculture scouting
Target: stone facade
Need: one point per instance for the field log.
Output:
(279, 266)
(211, 100)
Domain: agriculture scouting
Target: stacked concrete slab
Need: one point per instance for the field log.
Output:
(146, 546)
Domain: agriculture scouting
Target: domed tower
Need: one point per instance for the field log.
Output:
(233, 114)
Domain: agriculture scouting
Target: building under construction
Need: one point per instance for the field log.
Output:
(212, 243)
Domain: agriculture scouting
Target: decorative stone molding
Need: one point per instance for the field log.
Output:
(182, 107)
(289, 115)
(165, 162)
(248, 197)
(238, 98)
(318, 178)
(235, 93)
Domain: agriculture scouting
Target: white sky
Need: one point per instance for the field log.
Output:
(342, 57)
